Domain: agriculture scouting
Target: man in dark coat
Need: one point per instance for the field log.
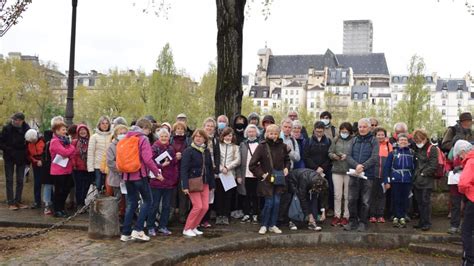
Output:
(13, 144)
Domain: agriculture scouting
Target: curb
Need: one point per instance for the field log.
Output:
(436, 249)
(43, 225)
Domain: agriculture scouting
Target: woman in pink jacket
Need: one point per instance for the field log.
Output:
(61, 152)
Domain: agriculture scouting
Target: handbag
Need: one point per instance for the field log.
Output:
(196, 184)
(295, 212)
(277, 176)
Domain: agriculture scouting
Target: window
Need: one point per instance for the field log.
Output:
(274, 105)
(459, 94)
(444, 103)
(265, 94)
(265, 103)
(395, 97)
(356, 95)
(312, 104)
(318, 105)
(343, 74)
(297, 101)
(286, 92)
(364, 96)
(291, 92)
(286, 101)
(92, 82)
(80, 82)
(443, 111)
(291, 101)
(259, 103)
(297, 92)
(252, 94)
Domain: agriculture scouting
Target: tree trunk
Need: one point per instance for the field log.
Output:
(230, 24)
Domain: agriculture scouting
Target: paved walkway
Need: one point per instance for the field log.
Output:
(73, 246)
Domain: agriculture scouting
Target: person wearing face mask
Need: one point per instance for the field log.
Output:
(293, 115)
(230, 160)
(270, 158)
(239, 124)
(246, 180)
(82, 178)
(338, 154)
(423, 179)
(13, 144)
(222, 122)
(296, 133)
(329, 129)
(463, 150)
(254, 119)
(114, 177)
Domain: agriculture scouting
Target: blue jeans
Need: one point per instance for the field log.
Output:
(160, 194)
(313, 203)
(400, 193)
(37, 184)
(47, 194)
(82, 181)
(270, 210)
(134, 188)
(99, 179)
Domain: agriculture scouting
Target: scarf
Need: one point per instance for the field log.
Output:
(200, 148)
(82, 145)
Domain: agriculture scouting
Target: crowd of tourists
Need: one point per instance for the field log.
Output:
(246, 169)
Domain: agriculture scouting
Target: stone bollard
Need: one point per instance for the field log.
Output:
(103, 218)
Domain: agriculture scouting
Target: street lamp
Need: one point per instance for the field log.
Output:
(70, 80)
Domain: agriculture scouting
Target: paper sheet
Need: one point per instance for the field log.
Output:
(353, 172)
(61, 161)
(27, 169)
(228, 181)
(123, 188)
(453, 179)
(162, 157)
(383, 188)
(211, 197)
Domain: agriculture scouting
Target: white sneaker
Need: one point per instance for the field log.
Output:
(262, 230)
(293, 226)
(197, 232)
(140, 235)
(125, 238)
(189, 233)
(275, 230)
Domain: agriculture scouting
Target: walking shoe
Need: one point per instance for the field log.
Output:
(36, 206)
(13, 208)
(350, 227)
(125, 238)
(453, 230)
(362, 227)
(189, 233)
(426, 228)
(275, 230)
(344, 221)
(255, 219)
(381, 220)
(246, 219)
(239, 214)
(151, 232)
(335, 221)
(60, 214)
(395, 222)
(373, 220)
(197, 232)
(47, 211)
(22, 206)
(315, 227)
(225, 220)
(292, 226)
(140, 235)
(164, 231)
(219, 220)
(206, 224)
(262, 230)
(402, 223)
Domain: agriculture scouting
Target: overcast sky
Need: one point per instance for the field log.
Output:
(115, 33)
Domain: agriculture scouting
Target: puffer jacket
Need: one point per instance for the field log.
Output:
(56, 147)
(338, 147)
(466, 181)
(35, 151)
(364, 150)
(13, 143)
(114, 177)
(230, 158)
(425, 167)
(399, 166)
(98, 144)
(301, 181)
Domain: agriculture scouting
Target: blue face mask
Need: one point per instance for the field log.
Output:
(121, 136)
(221, 125)
(282, 136)
(344, 135)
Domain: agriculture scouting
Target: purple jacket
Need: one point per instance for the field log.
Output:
(56, 147)
(146, 159)
(170, 172)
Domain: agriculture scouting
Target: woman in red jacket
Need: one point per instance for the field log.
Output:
(61, 167)
(35, 152)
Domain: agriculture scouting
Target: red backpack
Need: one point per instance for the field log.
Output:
(442, 167)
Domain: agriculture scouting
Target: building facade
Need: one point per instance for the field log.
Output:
(358, 37)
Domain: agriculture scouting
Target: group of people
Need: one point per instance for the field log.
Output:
(242, 169)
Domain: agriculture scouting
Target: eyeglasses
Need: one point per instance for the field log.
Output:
(374, 125)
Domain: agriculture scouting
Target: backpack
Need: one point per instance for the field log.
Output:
(128, 155)
(442, 167)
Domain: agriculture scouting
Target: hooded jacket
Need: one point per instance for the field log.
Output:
(239, 128)
(98, 144)
(267, 118)
(57, 147)
(146, 157)
(77, 162)
(13, 143)
(466, 181)
(169, 172)
(301, 181)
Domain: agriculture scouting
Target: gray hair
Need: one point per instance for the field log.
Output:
(297, 124)
(401, 126)
(364, 121)
(460, 146)
(56, 119)
(287, 120)
(31, 135)
(119, 121)
(249, 127)
(292, 111)
(163, 131)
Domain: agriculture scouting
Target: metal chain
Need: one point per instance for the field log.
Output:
(54, 226)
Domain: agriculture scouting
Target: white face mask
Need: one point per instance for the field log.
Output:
(420, 145)
(121, 136)
(344, 135)
(326, 121)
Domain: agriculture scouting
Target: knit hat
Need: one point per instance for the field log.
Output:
(18, 116)
(465, 116)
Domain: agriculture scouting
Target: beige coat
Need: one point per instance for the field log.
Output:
(98, 144)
